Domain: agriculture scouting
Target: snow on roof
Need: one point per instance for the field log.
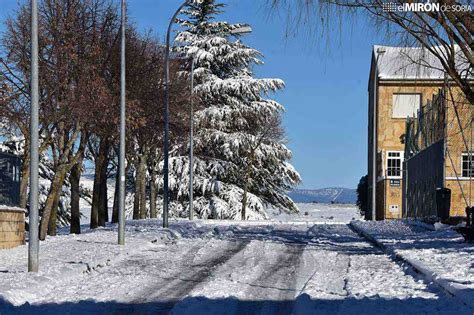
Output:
(412, 63)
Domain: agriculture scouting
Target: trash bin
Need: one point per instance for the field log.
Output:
(443, 202)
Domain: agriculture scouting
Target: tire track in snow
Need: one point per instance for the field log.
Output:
(182, 283)
(271, 281)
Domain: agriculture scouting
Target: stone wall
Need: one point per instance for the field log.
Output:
(390, 136)
(389, 196)
(12, 227)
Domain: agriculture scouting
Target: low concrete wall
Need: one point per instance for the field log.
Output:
(12, 227)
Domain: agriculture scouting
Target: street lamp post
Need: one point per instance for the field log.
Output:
(379, 52)
(121, 204)
(166, 117)
(33, 242)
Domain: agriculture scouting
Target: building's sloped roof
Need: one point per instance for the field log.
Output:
(412, 63)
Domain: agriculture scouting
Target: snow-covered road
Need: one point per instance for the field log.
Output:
(256, 268)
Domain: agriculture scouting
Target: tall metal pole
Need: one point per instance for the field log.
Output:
(470, 168)
(374, 145)
(191, 144)
(33, 243)
(166, 119)
(121, 228)
(374, 135)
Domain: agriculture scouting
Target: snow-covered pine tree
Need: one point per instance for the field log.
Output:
(241, 162)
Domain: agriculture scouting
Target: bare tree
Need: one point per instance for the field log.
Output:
(79, 97)
(72, 89)
(14, 78)
(445, 34)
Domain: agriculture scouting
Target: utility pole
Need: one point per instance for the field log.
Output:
(121, 205)
(33, 242)
(191, 143)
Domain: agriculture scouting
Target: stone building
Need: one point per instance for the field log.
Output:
(402, 82)
(438, 153)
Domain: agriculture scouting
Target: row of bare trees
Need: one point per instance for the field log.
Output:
(79, 60)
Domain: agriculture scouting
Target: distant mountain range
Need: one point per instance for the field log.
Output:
(324, 195)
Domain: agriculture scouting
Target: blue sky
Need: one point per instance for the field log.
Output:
(326, 84)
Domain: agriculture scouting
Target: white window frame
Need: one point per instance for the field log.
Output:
(419, 95)
(401, 158)
(462, 164)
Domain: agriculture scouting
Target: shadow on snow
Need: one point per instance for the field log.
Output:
(200, 305)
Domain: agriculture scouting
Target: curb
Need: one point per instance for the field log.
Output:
(451, 288)
(421, 224)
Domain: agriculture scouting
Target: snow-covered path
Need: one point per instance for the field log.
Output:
(256, 268)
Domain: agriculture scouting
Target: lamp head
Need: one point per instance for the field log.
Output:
(241, 30)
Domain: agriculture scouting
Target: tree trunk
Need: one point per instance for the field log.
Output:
(116, 199)
(53, 219)
(143, 211)
(62, 168)
(244, 203)
(97, 209)
(136, 197)
(54, 190)
(25, 177)
(104, 204)
(246, 185)
(153, 194)
(94, 219)
(74, 179)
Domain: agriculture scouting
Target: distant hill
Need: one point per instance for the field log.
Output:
(324, 195)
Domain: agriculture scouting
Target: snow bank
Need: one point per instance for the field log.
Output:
(439, 254)
(64, 257)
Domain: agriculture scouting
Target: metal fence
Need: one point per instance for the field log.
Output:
(10, 166)
(423, 175)
(424, 158)
(428, 128)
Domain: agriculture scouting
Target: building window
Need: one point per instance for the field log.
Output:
(405, 105)
(394, 164)
(467, 165)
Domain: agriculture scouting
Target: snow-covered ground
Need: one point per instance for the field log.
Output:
(216, 267)
(442, 254)
(318, 212)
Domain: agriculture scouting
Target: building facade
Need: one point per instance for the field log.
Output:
(399, 88)
(438, 153)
